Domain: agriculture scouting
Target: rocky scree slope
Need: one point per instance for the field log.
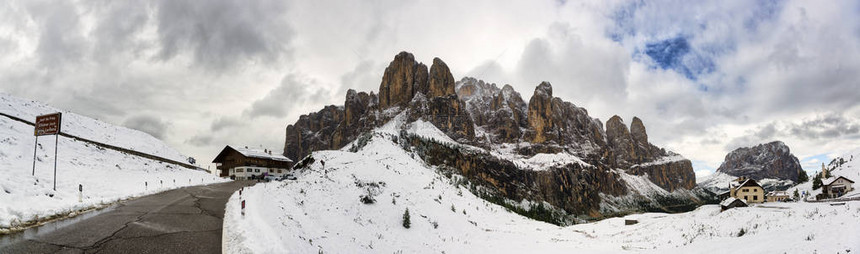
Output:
(499, 128)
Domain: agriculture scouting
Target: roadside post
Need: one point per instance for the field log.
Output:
(48, 125)
(145, 185)
(80, 193)
(243, 207)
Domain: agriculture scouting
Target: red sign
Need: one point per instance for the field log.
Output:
(48, 124)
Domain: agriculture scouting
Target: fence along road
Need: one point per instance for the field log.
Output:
(112, 147)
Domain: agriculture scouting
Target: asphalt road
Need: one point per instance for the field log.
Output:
(186, 220)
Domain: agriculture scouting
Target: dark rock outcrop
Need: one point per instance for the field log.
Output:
(441, 80)
(772, 160)
(572, 187)
(357, 117)
(402, 78)
(540, 115)
(500, 113)
(312, 132)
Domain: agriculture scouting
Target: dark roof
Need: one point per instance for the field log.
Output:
(250, 153)
(733, 202)
(747, 183)
(830, 181)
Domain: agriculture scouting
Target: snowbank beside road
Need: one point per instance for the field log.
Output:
(106, 175)
(325, 210)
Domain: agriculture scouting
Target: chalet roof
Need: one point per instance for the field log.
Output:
(731, 200)
(830, 180)
(253, 153)
(745, 183)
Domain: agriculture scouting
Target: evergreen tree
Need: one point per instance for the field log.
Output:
(406, 222)
(796, 195)
(816, 182)
(802, 177)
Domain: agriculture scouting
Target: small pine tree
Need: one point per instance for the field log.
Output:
(406, 222)
(453, 209)
(796, 195)
(802, 177)
(816, 182)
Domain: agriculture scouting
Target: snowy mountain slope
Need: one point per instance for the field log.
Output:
(327, 210)
(89, 128)
(106, 175)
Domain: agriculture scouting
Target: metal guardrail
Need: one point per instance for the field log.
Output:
(834, 200)
(112, 147)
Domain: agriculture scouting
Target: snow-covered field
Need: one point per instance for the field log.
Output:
(326, 210)
(106, 175)
(89, 128)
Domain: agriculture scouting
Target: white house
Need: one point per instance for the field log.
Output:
(835, 187)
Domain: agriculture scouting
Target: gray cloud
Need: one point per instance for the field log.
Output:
(200, 140)
(60, 36)
(292, 91)
(363, 78)
(822, 128)
(149, 124)
(225, 123)
(119, 24)
(221, 33)
(825, 127)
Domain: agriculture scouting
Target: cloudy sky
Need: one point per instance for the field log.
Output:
(705, 76)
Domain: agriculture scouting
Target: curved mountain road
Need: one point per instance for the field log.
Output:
(185, 220)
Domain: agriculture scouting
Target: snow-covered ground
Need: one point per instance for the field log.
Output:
(89, 128)
(325, 210)
(106, 175)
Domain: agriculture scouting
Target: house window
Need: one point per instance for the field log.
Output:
(280, 171)
(257, 170)
(755, 197)
(271, 171)
(239, 170)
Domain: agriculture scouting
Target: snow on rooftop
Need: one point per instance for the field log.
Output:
(730, 200)
(256, 153)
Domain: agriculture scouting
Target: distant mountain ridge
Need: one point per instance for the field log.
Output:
(771, 160)
(505, 128)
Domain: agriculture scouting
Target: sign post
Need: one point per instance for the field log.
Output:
(48, 125)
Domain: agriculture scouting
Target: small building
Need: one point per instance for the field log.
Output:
(732, 202)
(835, 187)
(244, 163)
(777, 196)
(747, 189)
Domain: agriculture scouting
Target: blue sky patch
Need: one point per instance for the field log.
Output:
(677, 54)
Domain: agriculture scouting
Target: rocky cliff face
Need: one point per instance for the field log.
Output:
(482, 115)
(772, 160)
(312, 132)
(402, 78)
